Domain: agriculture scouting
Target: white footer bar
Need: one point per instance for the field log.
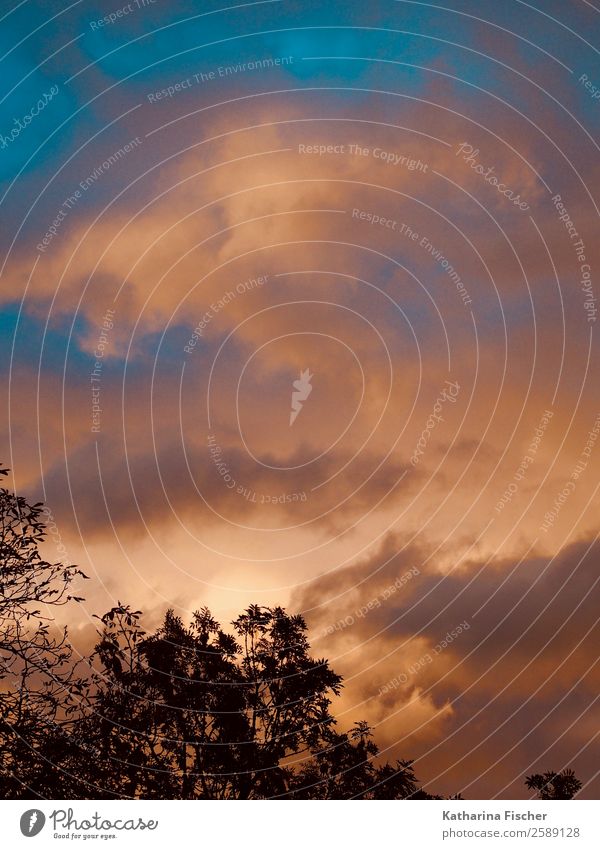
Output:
(301, 825)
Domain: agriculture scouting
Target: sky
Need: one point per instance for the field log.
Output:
(381, 218)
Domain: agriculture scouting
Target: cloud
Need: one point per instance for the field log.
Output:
(473, 646)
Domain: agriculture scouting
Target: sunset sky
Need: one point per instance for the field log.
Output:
(397, 199)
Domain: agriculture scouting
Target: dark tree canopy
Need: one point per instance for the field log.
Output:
(192, 712)
(554, 785)
(188, 712)
(37, 680)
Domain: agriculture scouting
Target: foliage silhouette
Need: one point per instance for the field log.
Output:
(38, 683)
(197, 713)
(554, 785)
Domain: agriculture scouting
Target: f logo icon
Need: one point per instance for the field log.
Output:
(32, 822)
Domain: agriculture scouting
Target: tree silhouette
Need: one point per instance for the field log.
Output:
(36, 675)
(554, 785)
(196, 713)
(185, 712)
(348, 769)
